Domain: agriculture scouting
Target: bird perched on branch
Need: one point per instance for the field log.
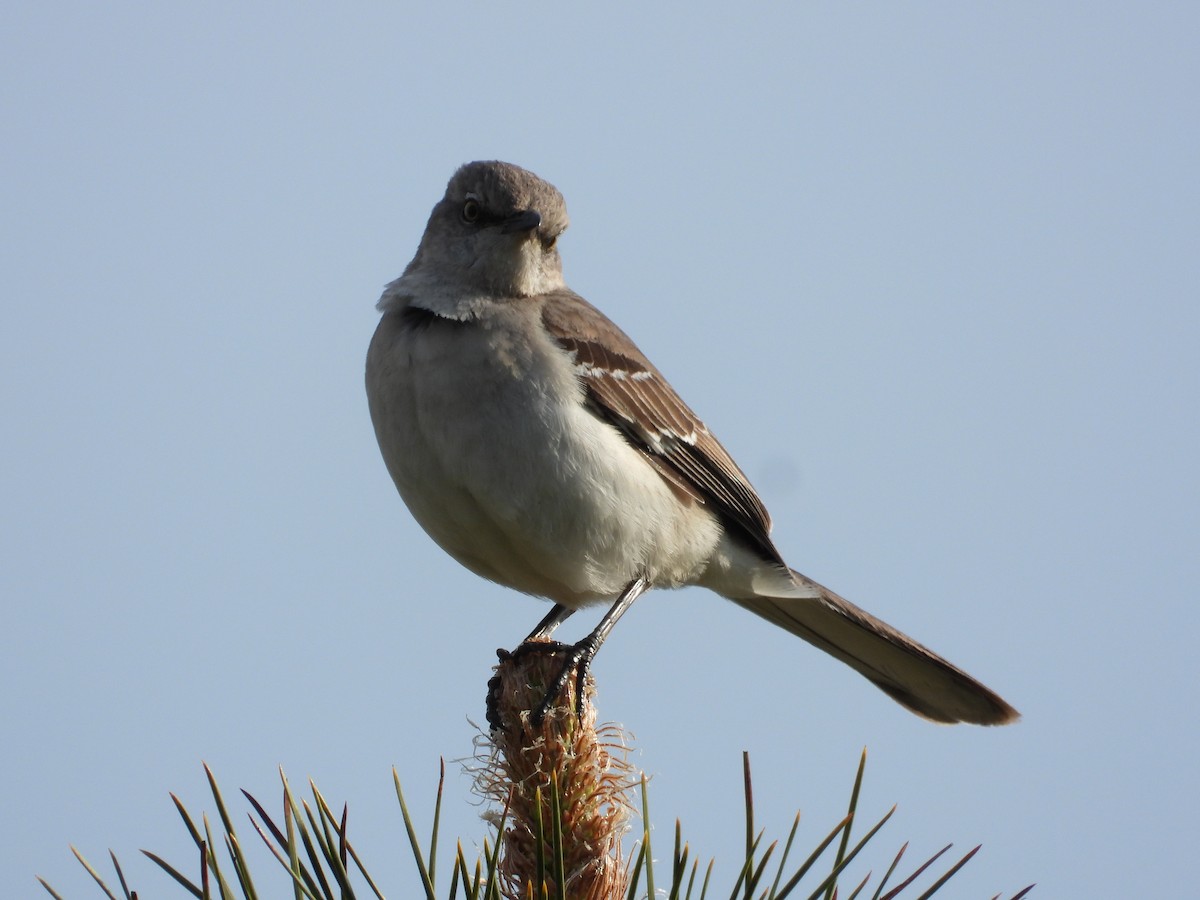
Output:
(538, 446)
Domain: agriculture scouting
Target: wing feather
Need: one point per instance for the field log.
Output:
(626, 390)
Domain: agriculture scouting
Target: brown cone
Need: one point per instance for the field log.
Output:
(589, 770)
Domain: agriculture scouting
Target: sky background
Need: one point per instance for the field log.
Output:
(930, 272)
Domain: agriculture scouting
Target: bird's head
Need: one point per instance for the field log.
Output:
(496, 232)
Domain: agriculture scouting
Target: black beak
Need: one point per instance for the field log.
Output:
(525, 220)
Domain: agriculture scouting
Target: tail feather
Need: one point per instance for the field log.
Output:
(909, 673)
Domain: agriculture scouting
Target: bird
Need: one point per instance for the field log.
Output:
(540, 448)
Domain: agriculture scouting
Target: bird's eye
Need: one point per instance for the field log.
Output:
(470, 211)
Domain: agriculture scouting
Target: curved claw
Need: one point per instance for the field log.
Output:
(580, 659)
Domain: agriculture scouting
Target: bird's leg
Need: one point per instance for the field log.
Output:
(580, 655)
(537, 642)
(545, 628)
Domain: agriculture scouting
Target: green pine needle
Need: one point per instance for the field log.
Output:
(313, 849)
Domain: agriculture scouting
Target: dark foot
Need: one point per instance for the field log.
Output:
(550, 648)
(578, 660)
(493, 699)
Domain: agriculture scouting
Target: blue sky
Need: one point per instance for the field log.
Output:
(928, 270)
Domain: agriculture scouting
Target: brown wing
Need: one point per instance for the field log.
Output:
(624, 389)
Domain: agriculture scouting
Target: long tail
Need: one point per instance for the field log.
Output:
(906, 671)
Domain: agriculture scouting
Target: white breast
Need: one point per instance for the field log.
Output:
(498, 459)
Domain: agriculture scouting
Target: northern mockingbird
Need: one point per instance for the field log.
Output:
(538, 446)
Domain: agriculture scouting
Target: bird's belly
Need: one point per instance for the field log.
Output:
(524, 486)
